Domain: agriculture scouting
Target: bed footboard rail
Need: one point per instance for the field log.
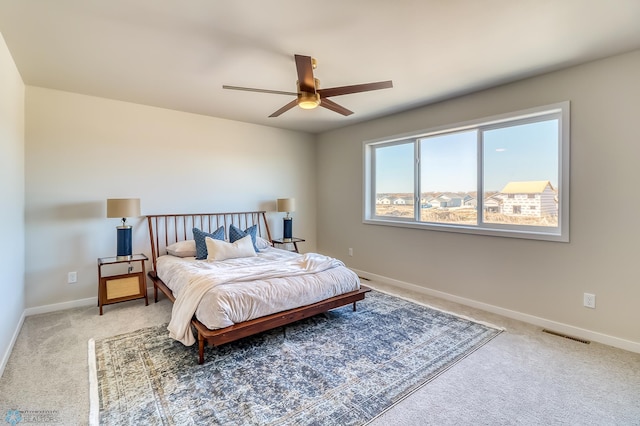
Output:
(241, 330)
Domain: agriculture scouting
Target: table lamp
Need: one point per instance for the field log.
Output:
(287, 205)
(123, 208)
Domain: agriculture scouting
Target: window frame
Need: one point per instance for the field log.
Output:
(560, 110)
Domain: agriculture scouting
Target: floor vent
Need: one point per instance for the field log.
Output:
(555, 333)
(363, 278)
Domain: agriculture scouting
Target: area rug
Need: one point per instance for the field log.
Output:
(339, 368)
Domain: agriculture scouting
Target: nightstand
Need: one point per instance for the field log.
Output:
(123, 287)
(293, 241)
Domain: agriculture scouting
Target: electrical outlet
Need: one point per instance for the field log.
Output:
(590, 300)
(350, 251)
(72, 277)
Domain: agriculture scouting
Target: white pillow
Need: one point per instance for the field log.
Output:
(262, 244)
(182, 249)
(222, 250)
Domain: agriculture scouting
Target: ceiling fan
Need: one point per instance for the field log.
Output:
(310, 95)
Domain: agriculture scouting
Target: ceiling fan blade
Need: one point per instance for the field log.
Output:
(328, 104)
(304, 65)
(249, 89)
(356, 88)
(285, 108)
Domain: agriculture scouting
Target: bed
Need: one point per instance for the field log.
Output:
(233, 298)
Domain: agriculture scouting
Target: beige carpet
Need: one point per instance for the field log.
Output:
(523, 376)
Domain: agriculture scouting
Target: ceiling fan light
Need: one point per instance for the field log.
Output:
(309, 104)
(308, 100)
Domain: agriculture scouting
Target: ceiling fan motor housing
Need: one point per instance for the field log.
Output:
(308, 100)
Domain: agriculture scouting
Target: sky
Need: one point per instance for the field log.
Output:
(448, 163)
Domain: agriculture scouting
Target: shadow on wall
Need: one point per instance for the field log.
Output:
(68, 212)
(274, 219)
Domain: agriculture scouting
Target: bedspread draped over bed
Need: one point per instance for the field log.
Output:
(227, 292)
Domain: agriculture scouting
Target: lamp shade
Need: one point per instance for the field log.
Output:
(286, 205)
(123, 207)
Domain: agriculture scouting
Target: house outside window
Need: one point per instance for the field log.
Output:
(505, 176)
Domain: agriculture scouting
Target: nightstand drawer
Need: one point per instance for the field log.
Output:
(123, 286)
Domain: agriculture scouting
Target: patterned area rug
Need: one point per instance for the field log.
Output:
(340, 368)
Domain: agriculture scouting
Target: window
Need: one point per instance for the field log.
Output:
(505, 176)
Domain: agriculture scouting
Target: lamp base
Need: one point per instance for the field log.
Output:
(124, 240)
(288, 228)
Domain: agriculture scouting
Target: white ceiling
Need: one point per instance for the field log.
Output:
(178, 54)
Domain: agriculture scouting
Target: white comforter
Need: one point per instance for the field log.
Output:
(236, 290)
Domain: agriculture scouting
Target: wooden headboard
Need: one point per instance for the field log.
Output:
(166, 229)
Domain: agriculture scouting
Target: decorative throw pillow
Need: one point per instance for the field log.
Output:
(262, 244)
(201, 246)
(236, 233)
(182, 248)
(222, 250)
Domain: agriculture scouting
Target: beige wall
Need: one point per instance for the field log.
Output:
(12, 254)
(81, 150)
(537, 279)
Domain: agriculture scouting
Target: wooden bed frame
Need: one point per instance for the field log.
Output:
(167, 229)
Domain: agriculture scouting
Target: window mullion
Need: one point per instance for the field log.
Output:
(417, 190)
(479, 180)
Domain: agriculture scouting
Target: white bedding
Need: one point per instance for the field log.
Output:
(231, 291)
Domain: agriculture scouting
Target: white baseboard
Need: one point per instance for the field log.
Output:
(531, 319)
(61, 306)
(90, 301)
(7, 354)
